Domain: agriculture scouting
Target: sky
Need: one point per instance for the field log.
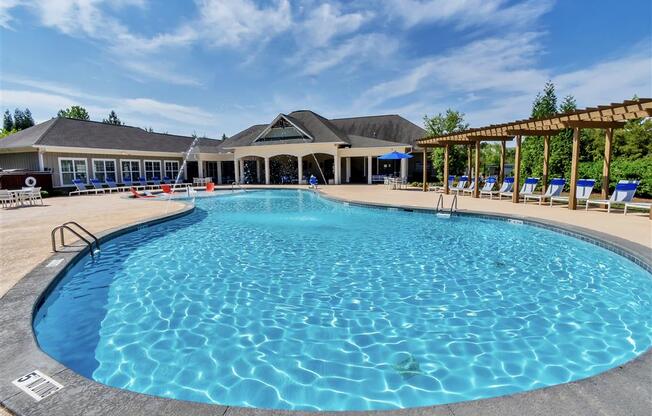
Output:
(218, 66)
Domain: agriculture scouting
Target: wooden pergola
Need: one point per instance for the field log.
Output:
(607, 117)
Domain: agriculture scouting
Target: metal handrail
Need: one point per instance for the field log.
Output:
(97, 242)
(454, 204)
(238, 184)
(61, 228)
(440, 203)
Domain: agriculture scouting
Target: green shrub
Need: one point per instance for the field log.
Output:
(637, 169)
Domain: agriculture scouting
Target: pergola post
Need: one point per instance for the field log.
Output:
(468, 161)
(606, 166)
(517, 170)
(425, 169)
(503, 152)
(572, 199)
(446, 152)
(546, 162)
(476, 186)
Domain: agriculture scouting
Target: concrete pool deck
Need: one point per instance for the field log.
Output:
(624, 390)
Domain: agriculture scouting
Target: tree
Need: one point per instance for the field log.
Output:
(74, 111)
(224, 136)
(28, 120)
(7, 122)
(438, 125)
(18, 119)
(113, 119)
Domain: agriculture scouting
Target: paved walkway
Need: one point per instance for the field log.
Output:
(25, 232)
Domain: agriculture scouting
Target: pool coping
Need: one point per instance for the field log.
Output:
(626, 389)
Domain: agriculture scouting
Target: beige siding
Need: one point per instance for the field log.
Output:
(27, 160)
(51, 160)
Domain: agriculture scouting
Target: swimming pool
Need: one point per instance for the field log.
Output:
(282, 299)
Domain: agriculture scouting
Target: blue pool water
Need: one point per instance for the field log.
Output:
(282, 299)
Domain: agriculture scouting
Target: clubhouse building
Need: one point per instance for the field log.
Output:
(288, 149)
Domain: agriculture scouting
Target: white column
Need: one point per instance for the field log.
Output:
(200, 165)
(300, 169)
(185, 172)
(404, 168)
(267, 172)
(370, 165)
(337, 162)
(242, 170)
(41, 163)
(219, 172)
(348, 169)
(258, 168)
(236, 165)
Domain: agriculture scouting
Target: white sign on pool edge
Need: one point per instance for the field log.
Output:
(37, 385)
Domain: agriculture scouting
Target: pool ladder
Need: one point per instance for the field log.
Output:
(234, 184)
(439, 209)
(67, 226)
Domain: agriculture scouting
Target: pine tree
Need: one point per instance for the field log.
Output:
(224, 136)
(28, 120)
(18, 119)
(545, 104)
(7, 122)
(113, 119)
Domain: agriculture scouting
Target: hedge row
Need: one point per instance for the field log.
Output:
(638, 169)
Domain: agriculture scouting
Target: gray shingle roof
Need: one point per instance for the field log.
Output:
(361, 141)
(391, 127)
(91, 134)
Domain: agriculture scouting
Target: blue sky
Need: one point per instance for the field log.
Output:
(218, 66)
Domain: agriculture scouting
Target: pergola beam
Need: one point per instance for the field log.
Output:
(586, 124)
(537, 132)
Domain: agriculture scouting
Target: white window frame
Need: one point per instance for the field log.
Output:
(115, 164)
(165, 172)
(122, 173)
(74, 172)
(160, 168)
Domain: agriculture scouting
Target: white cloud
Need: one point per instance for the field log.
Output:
(466, 13)
(349, 54)
(499, 64)
(234, 22)
(5, 12)
(324, 23)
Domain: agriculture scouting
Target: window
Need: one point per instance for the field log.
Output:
(72, 168)
(152, 169)
(282, 129)
(130, 169)
(104, 169)
(171, 169)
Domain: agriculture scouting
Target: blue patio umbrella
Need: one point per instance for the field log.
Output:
(395, 156)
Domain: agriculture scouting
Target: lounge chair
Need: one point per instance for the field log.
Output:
(460, 185)
(645, 206)
(7, 199)
(97, 185)
(508, 184)
(583, 192)
(156, 182)
(623, 193)
(527, 189)
(143, 183)
(81, 188)
(469, 188)
(451, 179)
(113, 186)
(166, 180)
(554, 189)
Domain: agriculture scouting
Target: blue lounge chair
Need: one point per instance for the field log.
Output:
(166, 180)
(469, 189)
(624, 192)
(527, 189)
(460, 185)
(583, 192)
(81, 188)
(451, 180)
(97, 185)
(113, 186)
(645, 206)
(129, 183)
(554, 189)
(507, 186)
(156, 182)
(143, 182)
